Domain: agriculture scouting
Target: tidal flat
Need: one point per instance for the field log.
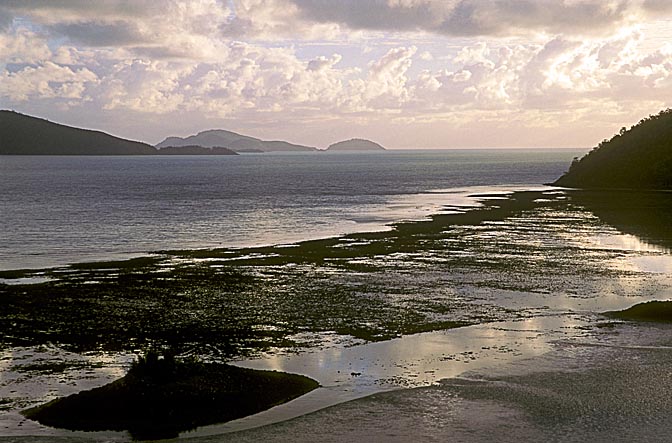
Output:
(545, 263)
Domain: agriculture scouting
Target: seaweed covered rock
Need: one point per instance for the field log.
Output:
(656, 311)
(161, 397)
(635, 158)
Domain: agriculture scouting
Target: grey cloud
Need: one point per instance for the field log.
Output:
(107, 23)
(473, 17)
(502, 17)
(100, 34)
(371, 14)
(658, 6)
(83, 7)
(5, 19)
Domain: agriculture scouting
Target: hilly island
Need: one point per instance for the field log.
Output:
(635, 158)
(355, 144)
(236, 142)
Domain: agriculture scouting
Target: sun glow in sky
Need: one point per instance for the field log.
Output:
(406, 73)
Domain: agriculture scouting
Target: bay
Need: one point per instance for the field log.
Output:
(57, 210)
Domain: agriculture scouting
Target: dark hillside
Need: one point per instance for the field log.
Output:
(24, 135)
(635, 158)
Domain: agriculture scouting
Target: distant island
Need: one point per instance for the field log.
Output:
(355, 144)
(25, 135)
(231, 140)
(195, 150)
(635, 158)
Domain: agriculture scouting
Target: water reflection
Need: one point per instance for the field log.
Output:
(644, 214)
(410, 361)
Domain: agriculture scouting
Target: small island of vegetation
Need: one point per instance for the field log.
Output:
(162, 396)
(635, 158)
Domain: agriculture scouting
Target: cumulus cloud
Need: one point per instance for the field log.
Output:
(46, 81)
(22, 47)
(558, 74)
(172, 28)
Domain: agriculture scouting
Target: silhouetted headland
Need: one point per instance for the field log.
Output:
(233, 141)
(355, 144)
(25, 135)
(635, 158)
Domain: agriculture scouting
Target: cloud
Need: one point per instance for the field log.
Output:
(22, 47)
(658, 6)
(46, 81)
(169, 28)
(249, 60)
(559, 74)
(478, 17)
(100, 34)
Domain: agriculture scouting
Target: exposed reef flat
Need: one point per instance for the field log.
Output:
(420, 276)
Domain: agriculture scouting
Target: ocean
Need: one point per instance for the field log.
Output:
(61, 210)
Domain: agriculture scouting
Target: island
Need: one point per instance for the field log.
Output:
(195, 150)
(355, 144)
(635, 158)
(235, 142)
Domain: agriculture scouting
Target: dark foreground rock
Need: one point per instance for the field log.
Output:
(159, 398)
(658, 311)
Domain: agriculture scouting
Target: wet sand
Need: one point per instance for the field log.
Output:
(611, 385)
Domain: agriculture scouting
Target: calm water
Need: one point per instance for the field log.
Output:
(60, 210)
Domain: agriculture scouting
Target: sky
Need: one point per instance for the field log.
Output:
(404, 73)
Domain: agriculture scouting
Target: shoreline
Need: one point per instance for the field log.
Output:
(401, 209)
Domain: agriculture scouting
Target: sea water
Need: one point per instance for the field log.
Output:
(57, 210)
